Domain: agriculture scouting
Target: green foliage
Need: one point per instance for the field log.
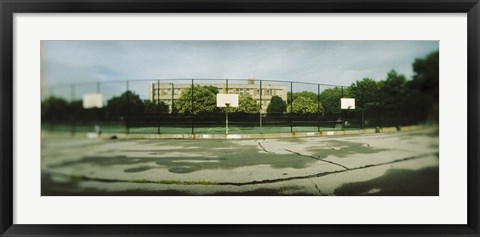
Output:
(330, 99)
(392, 90)
(157, 107)
(79, 113)
(204, 101)
(392, 93)
(307, 94)
(213, 89)
(54, 109)
(366, 93)
(127, 103)
(305, 105)
(276, 105)
(246, 104)
(424, 87)
(58, 109)
(426, 74)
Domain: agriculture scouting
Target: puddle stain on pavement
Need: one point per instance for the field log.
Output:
(396, 182)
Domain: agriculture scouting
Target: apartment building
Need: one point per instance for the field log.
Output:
(169, 92)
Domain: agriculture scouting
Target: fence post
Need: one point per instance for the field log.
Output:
(98, 110)
(261, 106)
(363, 108)
(343, 114)
(158, 106)
(172, 104)
(291, 106)
(191, 111)
(72, 120)
(128, 110)
(318, 107)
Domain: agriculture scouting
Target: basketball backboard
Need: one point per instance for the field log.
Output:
(347, 103)
(224, 99)
(92, 101)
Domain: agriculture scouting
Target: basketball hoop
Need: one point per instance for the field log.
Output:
(227, 101)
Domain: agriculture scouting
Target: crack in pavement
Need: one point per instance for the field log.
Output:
(322, 174)
(316, 186)
(267, 181)
(317, 158)
(265, 150)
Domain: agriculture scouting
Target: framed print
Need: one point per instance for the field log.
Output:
(239, 117)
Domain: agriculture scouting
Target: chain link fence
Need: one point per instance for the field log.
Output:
(181, 106)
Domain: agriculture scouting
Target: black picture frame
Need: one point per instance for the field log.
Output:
(9, 7)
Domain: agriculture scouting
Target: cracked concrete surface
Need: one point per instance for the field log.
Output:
(377, 164)
(316, 158)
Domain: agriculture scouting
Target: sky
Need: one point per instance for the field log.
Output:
(326, 62)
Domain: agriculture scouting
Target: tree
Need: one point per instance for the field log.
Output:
(365, 92)
(425, 86)
(276, 105)
(55, 109)
(128, 103)
(79, 113)
(295, 95)
(204, 101)
(392, 93)
(330, 99)
(426, 73)
(157, 107)
(246, 104)
(213, 89)
(305, 105)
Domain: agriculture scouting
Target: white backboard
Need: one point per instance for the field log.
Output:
(92, 101)
(347, 103)
(224, 99)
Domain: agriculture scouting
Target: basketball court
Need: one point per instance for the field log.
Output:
(403, 163)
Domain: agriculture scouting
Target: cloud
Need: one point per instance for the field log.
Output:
(329, 62)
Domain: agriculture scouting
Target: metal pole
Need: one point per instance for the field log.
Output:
(172, 104)
(343, 114)
(191, 111)
(98, 87)
(226, 86)
(363, 109)
(72, 98)
(226, 120)
(363, 119)
(261, 106)
(318, 107)
(158, 106)
(128, 102)
(291, 107)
